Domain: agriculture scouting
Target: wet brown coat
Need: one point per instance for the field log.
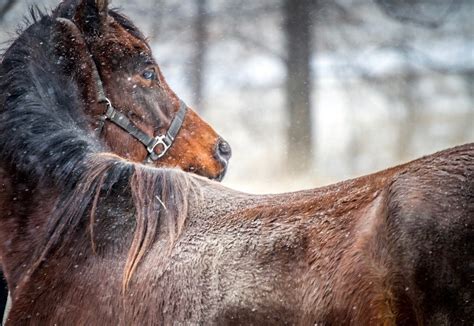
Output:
(126, 244)
(389, 248)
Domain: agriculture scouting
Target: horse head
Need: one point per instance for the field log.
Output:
(126, 97)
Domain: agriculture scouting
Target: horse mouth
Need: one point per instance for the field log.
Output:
(223, 172)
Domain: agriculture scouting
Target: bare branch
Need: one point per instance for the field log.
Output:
(415, 12)
(5, 7)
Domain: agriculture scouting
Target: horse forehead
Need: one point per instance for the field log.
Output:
(120, 39)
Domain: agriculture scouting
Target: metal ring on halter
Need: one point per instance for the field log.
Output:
(165, 141)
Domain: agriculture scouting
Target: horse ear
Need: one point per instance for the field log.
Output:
(76, 60)
(91, 16)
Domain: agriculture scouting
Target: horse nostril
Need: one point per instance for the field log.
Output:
(223, 150)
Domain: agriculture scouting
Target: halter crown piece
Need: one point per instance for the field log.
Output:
(151, 143)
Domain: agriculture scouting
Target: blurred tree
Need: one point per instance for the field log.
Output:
(5, 7)
(427, 13)
(298, 31)
(156, 12)
(200, 48)
(410, 120)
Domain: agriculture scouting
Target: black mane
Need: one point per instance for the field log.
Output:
(43, 131)
(40, 106)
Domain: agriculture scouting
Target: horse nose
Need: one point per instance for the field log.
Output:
(223, 150)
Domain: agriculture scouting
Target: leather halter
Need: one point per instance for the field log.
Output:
(151, 143)
(164, 141)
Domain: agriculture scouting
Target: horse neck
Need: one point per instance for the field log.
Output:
(48, 157)
(25, 208)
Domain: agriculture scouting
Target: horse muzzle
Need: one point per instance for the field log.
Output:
(222, 153)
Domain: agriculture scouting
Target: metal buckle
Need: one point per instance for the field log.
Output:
(107, 114)
(110, 112)
(158, 140)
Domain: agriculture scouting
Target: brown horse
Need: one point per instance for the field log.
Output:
(132, 89)
(98, 240)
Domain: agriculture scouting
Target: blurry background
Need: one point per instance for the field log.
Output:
(310, 92)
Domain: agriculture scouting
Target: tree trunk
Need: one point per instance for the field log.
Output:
(156, 18)
(5, 7)
(298, 84)
(410, 121)
(198, 62)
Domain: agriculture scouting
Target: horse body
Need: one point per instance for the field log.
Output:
(388, 248)
(88, 237)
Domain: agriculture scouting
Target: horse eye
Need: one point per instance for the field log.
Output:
(149, 74)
